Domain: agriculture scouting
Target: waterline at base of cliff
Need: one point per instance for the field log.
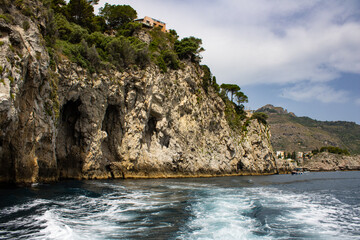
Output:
(312, 205)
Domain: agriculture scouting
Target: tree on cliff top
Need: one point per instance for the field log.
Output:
(189, 48)
(57, 5)
(80, 12)
(117, 15)
(240, 98)
(260, 116)
(230, 88)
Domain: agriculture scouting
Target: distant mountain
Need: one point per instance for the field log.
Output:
(291, 133)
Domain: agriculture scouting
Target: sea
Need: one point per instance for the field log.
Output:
(322, 205)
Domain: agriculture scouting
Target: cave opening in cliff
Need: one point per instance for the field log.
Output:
(240, 166)
(69, 116)
(151, 126)
(112, 126)
(68, 141)
(150, 130)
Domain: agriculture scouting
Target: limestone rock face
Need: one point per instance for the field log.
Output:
(332, 162)
(66, 123)
(286, 166)
(26, 147)
(148, 124)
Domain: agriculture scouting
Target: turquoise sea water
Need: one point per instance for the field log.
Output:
(308, 206)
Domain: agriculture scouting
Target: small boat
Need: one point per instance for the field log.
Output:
(297, 171)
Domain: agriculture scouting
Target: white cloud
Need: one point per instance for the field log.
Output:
(261, 41)
(308, 92)
(316, 52)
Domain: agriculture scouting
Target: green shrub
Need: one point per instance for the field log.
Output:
(234, 118)
(161, 63)
(173, 34)
(142, 58)
(93, 57)
(98, 24)
(73, 51)
(260, 116)
(6, 18)
(50, 32)
(121, 53)
(245, 125)
(124, 52)
(77, 33)
(206, 79)
(171, 60)
(189, 48)
(24, 7)
(315, 151)
(53, 57)
(158, 42)
(58, 6)
(98, 39)
(161, 50)
(26, 25)
(128, 29)
(63, 27)
(19, 3)
(215, 85)
(335, 150)
(27, 11)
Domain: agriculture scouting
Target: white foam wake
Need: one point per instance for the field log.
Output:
(55, 228)
(268, 213)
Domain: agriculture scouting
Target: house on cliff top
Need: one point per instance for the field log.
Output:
(152, 22)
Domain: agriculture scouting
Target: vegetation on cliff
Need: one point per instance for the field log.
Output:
(260, 116)
(331, 149)
(111, 40)
(291, 133)
(107, 40)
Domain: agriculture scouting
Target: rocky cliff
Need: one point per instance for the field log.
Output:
(332, 162)
(66, 123)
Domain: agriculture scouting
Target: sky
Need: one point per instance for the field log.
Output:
(303, 55)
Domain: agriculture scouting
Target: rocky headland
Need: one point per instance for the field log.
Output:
(291, 133)
(332, 162)
(62, 121)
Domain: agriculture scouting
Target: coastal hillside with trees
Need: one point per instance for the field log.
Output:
(300, 134)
